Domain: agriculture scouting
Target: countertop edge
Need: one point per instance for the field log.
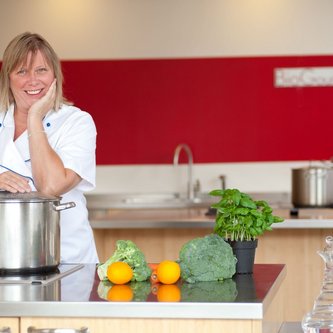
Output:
(134, 310)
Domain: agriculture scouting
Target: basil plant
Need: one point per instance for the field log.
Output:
(239, 217)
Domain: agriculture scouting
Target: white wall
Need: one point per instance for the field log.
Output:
(125, 29)
(249, 177)
(108, 29)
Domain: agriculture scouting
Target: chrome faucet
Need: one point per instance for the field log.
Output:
(187, 149)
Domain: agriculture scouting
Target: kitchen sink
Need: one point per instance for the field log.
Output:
(147, 200)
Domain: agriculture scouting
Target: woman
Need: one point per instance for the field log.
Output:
(46, 144)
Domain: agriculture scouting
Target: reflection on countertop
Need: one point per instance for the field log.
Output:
(72, 283)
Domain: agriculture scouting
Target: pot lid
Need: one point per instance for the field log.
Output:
(33, 196)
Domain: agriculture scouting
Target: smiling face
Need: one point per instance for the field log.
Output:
(30, 81)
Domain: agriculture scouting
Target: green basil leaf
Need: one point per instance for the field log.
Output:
(278, 219)
(259, 222)
(246, 202)
(241, 211)
(216, 193)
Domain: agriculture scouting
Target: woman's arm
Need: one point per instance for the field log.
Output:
(50, 175)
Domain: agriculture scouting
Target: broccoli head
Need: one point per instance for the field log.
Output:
(128, 252)
(207, 258)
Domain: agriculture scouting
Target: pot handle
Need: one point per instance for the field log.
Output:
(64, 206)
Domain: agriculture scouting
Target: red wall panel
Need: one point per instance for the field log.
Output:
(226, 109)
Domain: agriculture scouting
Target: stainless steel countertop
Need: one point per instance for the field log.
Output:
(173, 218)
(81, 294)
(126, 211)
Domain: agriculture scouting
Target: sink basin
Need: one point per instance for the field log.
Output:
(146, 200)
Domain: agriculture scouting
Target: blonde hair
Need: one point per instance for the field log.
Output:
(16, 53)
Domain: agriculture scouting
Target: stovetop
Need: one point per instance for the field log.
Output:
(63, 270)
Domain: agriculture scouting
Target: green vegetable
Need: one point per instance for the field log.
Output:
(214, 291)
(128, 252)
(239, 217)
(207, 258)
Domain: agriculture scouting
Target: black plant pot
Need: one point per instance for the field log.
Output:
(245, 253)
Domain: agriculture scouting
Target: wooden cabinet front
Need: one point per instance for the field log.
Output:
(12, 323)
(128, 325)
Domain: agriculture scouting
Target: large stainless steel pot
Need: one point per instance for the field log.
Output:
(30, 232)
(312, 186)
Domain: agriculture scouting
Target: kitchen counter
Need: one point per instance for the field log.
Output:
(173, 211)
(161, 233)
(319, 218)
(81, 294)
(246, 303)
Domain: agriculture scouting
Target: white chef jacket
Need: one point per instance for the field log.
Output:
(72, 134)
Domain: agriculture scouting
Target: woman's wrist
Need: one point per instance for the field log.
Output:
(35, 114)
(36, 132)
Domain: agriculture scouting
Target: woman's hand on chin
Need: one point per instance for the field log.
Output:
(46, 103)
